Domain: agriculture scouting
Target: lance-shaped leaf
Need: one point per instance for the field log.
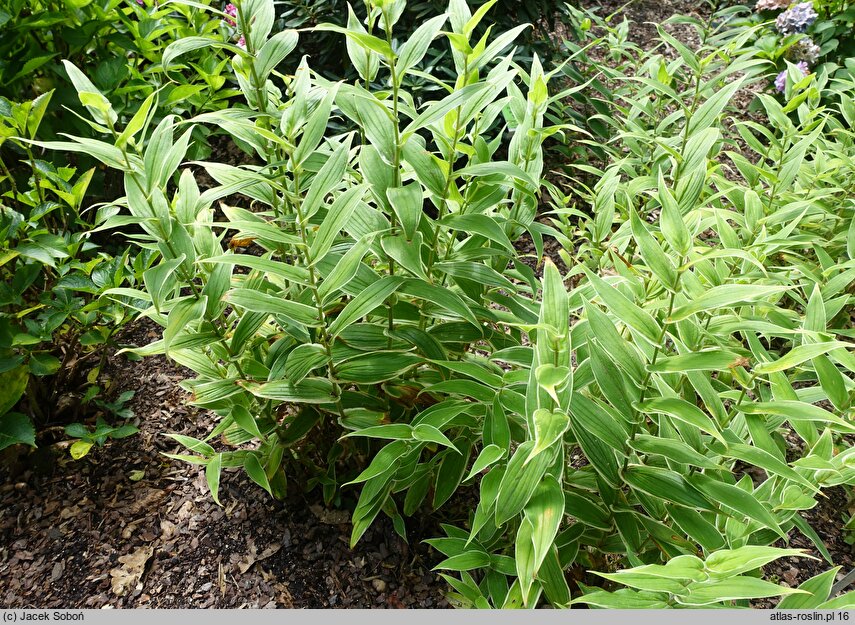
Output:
(544, 511)
(684, 411)
(341, 210)
(625, 309)
(256, 301)
(738, 500)
(519, 482)
(364, 303)
(725, 296)
(550, 377)
(667, 485)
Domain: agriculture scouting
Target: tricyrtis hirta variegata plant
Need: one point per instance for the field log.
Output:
(361, 315)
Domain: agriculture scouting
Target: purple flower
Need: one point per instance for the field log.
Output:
(231, 10)
(781, 80)
(242, 42)
(141, 3)
(796, 19)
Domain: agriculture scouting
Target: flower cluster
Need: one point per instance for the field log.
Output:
(771, 5)
(804, 50)
(797, 19)
(781, 80)
(231, 11)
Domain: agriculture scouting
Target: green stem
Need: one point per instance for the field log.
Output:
(5, 171)
(648, 374)
(326, 339)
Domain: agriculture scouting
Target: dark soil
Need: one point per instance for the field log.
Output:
(84, 534)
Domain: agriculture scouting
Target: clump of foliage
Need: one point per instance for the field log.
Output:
(631, 417)
(118, 44)
(327, 50)
(54, 324)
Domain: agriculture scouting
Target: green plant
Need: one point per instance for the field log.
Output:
(118, 44)
(54, 324)
(86, 437)
(691, 582)
(358, 281)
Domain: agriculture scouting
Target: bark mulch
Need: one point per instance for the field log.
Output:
(126, 527)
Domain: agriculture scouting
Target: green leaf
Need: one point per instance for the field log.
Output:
(255, 471)
(549, 427)
(326, 180)
(405, 253)
(728, 562)
(843, 602)
(94, 101)
(256, 301)
(767, 462)
(243, 417)
(545, 510)
(364, 40)
(519, 482)
(467, 561)
(797, 411)
(189, 44)
(429, 434)
(736, 499)
(725, 296)
(817, 590)
(549, 377)
(482, 225)
(345, 269)
(488, 456)
(443, 297)
(800, 354)
(193, 444)
(684, 411)
(741, 587)
(665, 484)
(671, 220)
(407, 203)
(79, 449)
(274, 51)
(706, 115)
(180, 316)
(16, 428)
(652, 253)
(417, 44)
(364, 303)
(14, 384)
(709, 360)
(384, 461)
(212, 475)
(587, 414)
(376, 367)
(832, 382)
(303, 359)
(624, 599)
(339, 213)
(308, 391)
(673, 449)
(624, 309)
